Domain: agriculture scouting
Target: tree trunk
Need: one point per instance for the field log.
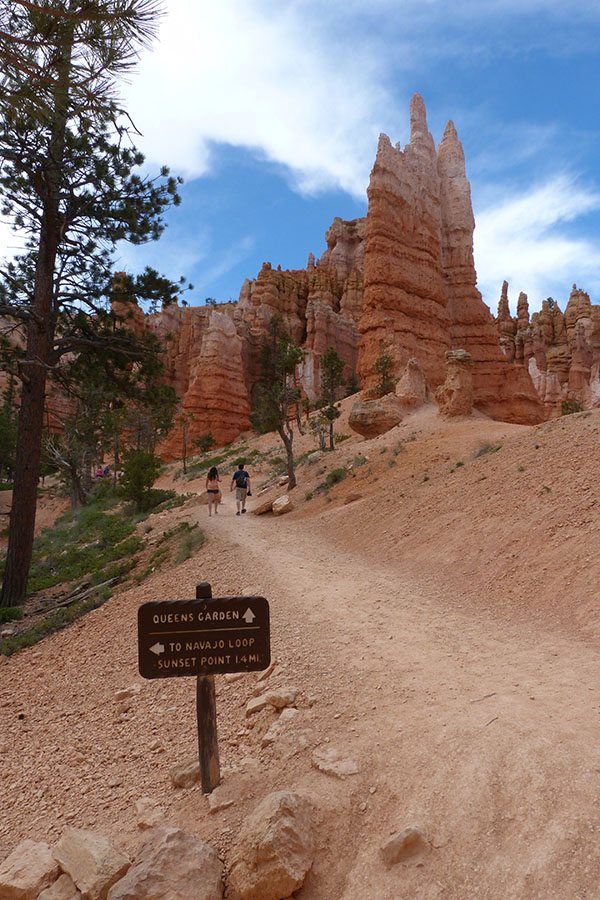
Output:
(34, 367)
(27, 471)
(331, 442)
(289, 449)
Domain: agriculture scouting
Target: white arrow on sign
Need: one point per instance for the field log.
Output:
(248, 616)
(158, 649)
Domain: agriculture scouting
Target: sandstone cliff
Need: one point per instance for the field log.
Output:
(420, 285)
(401, 279)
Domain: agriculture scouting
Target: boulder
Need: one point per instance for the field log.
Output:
(149, 813)
(373, 417)
(29, 869)
(274, 850)
(278, 698)
(185, 774)
(172, 865)
(282, 505)
(405, 844)
(264, 507)
(279, 726)
(92, 861)
(63, 889)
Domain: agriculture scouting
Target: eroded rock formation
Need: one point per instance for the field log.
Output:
(560, 351)
(420, 292)
(455, 396)
(402, 280)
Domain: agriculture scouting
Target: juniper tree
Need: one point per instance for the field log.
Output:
(332, 379)
(277, 393)
(70, 185)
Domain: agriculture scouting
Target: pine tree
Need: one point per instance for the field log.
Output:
(69, 183)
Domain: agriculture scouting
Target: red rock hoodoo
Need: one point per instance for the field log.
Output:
(401, 279)
(420, 285)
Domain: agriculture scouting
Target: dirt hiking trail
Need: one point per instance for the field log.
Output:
(480, 728)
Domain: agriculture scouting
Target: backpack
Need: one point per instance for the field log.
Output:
(240, 478)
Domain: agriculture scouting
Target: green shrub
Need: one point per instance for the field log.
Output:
(359, 460)
(56, 620)
(140, 471)
(192, 540)
(335, 476)
(205, 442)
(10, 614)
(568, 407)
(308, 495)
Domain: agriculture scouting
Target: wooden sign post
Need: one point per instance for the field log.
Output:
(203, 637)
(206, 714)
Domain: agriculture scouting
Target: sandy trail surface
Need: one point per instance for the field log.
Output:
(483, 733)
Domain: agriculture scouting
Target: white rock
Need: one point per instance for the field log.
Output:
(278, 698)
(172, 865)
(329, 760)
(63, 889)
(254, 705)
(91, 860)
(216, 802)
(279, 726)
(185, 774)
(282, 505)
(409, 842)
(149, 813)
(274, 850)
(29, 869)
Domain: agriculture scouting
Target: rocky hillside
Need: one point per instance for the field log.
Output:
(429, 727)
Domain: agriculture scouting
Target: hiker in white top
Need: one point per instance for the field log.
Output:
(213, 490)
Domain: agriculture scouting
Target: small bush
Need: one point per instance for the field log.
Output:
(335, 476)
(308, 495)
(342, 437)
(568, 407)
(359, 460)
(485, 448)
(56, 620)
(205, 442)
(10, 614)
(192, 540)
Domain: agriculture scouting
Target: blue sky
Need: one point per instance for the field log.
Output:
(271, 110)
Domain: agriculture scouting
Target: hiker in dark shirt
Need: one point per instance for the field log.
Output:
(241, 483)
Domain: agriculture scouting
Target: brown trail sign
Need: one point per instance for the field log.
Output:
(203, 637)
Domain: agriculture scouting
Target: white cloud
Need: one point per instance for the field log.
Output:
(523, 238)
(265, 77)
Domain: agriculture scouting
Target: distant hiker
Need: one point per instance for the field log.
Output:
(241, 482)
(213, 490)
